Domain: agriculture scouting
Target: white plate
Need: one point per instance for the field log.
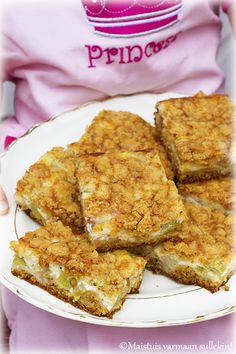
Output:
(161, 301)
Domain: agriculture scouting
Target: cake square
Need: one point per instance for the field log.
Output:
(215, 193)
(197, 134)
(127, 199)
(206, 254)
(68, 266)
(120, 131)
(49, 189)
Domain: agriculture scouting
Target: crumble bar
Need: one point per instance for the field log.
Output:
(49, 189)
(206, 254)
(68, 266)
(197, 134)
(127, 199)
(120, 130)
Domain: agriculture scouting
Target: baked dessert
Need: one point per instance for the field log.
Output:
(215, 193)
(120, 130)
(68, 266)
(197, 134)
(49, 189)
(206, 254)
(127, 199)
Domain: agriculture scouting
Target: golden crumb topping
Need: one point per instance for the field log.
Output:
(50, 187)
(208, 237)
(218, 191)
(199, 127)
(119, 130)
(56, 244)
(127, 191)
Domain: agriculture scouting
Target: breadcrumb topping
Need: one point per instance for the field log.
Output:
(50, 189)
(128, 191)
(217, 191)
(207, 237)
(200, 128)
(120, 130)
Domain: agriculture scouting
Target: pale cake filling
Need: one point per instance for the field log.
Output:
(38, 212)
(105, 230)
(29, 263)
(207, 203)
(219, 274)
(172, 225)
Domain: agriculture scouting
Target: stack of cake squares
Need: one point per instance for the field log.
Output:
(128, 195)
(197, 133)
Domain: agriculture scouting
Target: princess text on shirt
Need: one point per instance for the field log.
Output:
(127, 54)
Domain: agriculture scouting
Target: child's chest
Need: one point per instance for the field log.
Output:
(137, 46)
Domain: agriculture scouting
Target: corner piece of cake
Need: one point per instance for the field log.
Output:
(49, 189)
(127, 199)
(120, 131)
(206, 254)
(68, 266)
(197, 135)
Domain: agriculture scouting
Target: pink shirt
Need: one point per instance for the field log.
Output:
(57, 61)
